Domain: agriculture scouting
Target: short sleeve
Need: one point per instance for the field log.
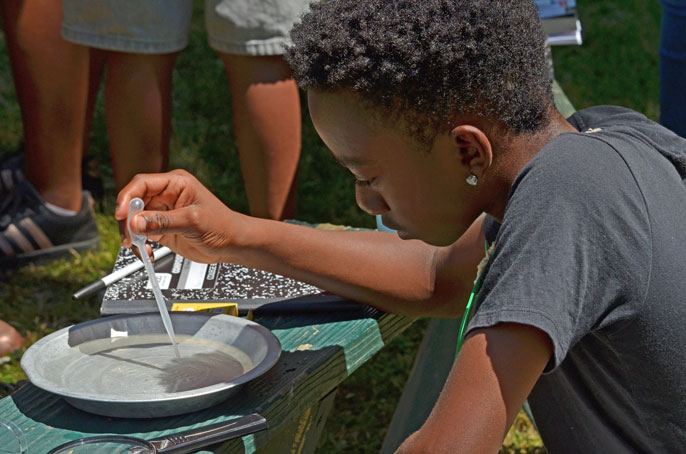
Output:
(573, 252)
(490, 228)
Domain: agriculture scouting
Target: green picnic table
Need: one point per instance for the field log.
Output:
(319, 352)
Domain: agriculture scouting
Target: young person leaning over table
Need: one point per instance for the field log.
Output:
(442, 111)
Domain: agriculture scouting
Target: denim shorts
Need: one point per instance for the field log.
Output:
(245, 27)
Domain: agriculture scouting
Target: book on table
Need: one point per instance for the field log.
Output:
(182, 280)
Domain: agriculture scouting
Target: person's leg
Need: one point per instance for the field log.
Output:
(138, 43)
(51, 77)
(10, 12)
(267, 123)
(673, 66)
(11, 164)
(14, 162)
(138, 111)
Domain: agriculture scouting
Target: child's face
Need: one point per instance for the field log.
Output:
(417, 192)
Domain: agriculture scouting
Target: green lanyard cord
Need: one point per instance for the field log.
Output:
(468, 310)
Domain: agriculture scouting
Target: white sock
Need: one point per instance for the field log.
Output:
(60, 211)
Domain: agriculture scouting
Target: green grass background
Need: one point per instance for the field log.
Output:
(617, 64)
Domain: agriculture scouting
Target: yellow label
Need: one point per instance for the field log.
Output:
(215, 308)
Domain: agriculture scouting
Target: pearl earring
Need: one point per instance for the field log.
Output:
(472, 180)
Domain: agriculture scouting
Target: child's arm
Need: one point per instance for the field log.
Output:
(406, 277)
(496, 369)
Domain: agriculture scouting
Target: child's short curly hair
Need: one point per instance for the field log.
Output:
(427, 61)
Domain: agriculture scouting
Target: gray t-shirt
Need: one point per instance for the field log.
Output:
(592, 250)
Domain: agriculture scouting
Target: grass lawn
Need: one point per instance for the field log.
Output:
(616, 65)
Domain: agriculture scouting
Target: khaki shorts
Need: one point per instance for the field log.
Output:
(245, 27)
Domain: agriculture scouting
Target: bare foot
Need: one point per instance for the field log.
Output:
(10, 339)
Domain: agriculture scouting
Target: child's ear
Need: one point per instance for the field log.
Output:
(476, 153)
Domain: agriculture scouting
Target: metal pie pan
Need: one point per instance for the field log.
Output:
(124, 365)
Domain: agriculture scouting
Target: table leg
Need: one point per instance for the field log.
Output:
(302, 435)
(429, 372)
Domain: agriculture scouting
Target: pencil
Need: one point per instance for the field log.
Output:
(103, 282)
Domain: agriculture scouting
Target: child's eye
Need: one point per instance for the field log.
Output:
(364, 182)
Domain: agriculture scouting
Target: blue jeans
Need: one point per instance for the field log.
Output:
(673, 66)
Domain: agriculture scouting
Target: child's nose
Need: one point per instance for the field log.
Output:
(370, 200)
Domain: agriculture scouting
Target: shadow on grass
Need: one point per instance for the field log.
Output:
(529, 450)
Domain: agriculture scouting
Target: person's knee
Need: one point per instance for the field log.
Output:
(261, 69)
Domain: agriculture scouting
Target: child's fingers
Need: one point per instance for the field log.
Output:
(182, 221)
(162, 189)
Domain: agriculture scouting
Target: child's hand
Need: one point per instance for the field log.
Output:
(180, 213)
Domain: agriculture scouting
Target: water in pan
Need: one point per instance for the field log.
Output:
(147, 364)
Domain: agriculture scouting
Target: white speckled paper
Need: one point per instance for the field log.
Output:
(181, 279)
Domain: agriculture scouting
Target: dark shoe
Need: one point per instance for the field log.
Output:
(30, 232)
(12, 172)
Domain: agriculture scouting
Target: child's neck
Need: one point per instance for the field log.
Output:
(515, 153)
